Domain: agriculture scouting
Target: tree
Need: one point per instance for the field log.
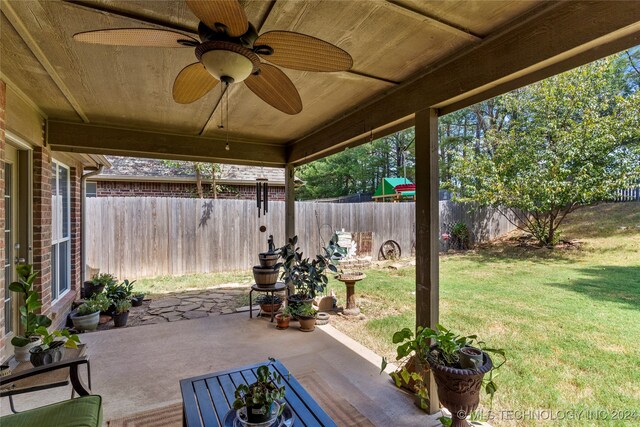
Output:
(565, 142)
(202, 170)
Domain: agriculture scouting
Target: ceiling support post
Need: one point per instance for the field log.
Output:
(427, 229)
(289, 202)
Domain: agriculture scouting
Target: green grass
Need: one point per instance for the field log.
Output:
(568, 319)
(165, 284)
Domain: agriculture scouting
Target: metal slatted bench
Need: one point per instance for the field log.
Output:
(207, 398)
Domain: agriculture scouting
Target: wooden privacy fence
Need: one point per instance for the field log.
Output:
(153, 236)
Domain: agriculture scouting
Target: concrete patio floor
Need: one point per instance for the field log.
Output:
(137, 369)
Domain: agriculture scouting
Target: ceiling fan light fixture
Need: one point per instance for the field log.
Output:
(227, 62)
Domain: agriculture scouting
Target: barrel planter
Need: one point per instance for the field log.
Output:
(265, 276)
(268, 259)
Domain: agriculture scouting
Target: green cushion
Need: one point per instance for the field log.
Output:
(84, 411)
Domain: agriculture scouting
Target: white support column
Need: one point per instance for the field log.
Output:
(289, 203)
(427, 227)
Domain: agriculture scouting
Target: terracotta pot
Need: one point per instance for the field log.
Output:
(283, 322)
(459, 389)
(266, 308)
(307, 324)
(265, 276)
(268, 259)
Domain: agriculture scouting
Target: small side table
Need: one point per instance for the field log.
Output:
(278, 287)
(350, 279)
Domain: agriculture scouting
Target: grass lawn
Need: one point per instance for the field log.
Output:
(569, 319)
(166, 284)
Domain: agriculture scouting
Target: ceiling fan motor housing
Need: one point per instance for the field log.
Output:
(227, 61)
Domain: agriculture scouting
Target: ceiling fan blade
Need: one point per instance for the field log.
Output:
(192, 83)
(301, 52)
(145, 37)
(276, 89)
(226, 12)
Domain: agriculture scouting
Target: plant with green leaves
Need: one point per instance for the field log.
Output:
(309, 277)
(269, 299)
(305, 311)
(63, 335)
(122, 291)
(414, 352)
(260, 395)
(122, 306)
(30, 320)
(98, 302)
(460, 236)
(104, 279)
(565, 142)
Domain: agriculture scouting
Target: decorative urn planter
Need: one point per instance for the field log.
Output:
(53, 354)
(22, 353)
(459, 389)
(86, 323)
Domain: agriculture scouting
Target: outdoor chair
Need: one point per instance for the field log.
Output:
(84, 411)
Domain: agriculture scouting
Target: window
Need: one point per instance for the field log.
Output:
(60, 231)
(8, 246)
(91, 189)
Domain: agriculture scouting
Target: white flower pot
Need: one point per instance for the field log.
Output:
(86, 323)
(22, 353)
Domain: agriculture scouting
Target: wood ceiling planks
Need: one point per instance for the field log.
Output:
(23, 69)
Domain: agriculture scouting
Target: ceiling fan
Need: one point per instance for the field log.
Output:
(231, 51)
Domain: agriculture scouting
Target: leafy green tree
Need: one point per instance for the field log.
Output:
(202, 170)
(565, 142)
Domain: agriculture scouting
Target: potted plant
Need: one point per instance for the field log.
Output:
(28, 318)
(87, 316)
(307, 277)
(52, 347)
(97, 284)
(116, 292)
(306, 315)
(137, 298)
(458, 363)
(283, 318)
(269, 303)
(255, 402)
(121, 312)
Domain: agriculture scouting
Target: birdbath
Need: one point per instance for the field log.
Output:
(350, 279)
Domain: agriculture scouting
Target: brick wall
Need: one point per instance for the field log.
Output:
(179, 189)
(3, 104)
(42, 224)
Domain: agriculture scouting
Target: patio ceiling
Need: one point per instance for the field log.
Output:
(408, 55)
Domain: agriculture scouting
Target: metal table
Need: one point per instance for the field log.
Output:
(278, 287)
(44, 381)
(205, 399)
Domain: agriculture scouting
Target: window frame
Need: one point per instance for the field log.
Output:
(55, 243)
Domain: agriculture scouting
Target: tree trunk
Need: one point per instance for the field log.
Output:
(199, 181)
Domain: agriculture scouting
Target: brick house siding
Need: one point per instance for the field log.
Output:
(179, 189)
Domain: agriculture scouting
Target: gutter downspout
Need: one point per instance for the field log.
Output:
(83, 200)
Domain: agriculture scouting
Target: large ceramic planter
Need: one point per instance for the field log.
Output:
(22, 353)
(53, 354)
(90, 289)
(268, 259)
(88, 322)
(307, 324)
(120, 320)
(459, 389)
(265, 276)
